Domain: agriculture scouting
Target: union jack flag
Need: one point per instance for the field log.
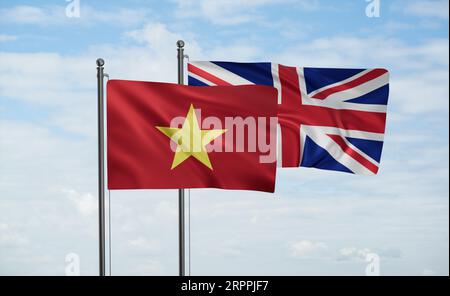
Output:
(332, 119)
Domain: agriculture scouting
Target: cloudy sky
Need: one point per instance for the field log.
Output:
(317, 223)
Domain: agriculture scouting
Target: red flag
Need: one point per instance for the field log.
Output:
(169, 136)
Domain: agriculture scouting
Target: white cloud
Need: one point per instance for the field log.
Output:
(156, 36)
(143, 244)
(234, 12)
(10, 237)
(63, 82)
(307, 5)
(306, 248)
(414, 95)
(347, 51)
(6, 38)
(230, 251)
(86, 203)
(41, 77)
(148, 268)
(352, 253)
(360, 254)
(49, 80)
(24, 14)
(419, 73)
(123, 16)
(392, 26)
(221, 12)
(51, 15)
(425, 8)
(33, 152)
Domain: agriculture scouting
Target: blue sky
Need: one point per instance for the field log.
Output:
(317, 222)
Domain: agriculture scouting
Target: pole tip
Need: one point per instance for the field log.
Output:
(100, 62)
(180, 43)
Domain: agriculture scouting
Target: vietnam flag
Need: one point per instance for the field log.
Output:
(169, 136)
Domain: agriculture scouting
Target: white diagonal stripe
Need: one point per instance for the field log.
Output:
(361, 89)
(334, 150)
(221, 73)
(201, 79)
(276, 80)
(312, 94)
(338, 103)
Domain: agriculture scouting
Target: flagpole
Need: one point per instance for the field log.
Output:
(101, 168)
(181, 199)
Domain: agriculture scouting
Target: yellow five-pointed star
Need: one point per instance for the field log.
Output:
(191, 140)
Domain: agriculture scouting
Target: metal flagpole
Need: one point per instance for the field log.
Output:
(181, 199)
(101, 168)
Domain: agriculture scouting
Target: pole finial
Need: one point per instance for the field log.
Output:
(100, 62)
(180, 43)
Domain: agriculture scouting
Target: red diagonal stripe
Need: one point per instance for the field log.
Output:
(353, 154)
(375, 73)
(214, 79)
